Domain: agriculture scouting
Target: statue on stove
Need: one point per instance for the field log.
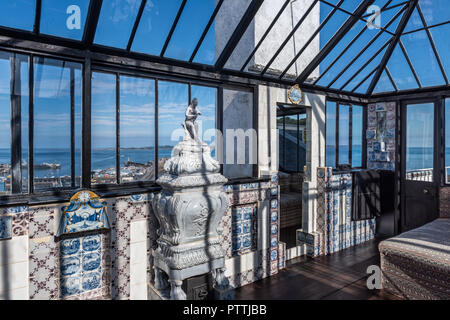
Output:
(189, 124)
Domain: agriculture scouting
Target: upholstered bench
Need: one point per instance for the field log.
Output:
(416, 264)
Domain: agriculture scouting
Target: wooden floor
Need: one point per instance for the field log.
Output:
(340, 276)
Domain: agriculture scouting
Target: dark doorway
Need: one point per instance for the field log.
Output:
(419, 162)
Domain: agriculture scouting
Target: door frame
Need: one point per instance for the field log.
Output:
(400, 169)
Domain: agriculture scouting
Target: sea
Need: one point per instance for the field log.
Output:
(105, 158)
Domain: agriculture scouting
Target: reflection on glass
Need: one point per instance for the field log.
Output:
(18, 14)
(226, 21)
(137, 130)
(292, 145)
(207, 102)
(64, 18)
(344, 131)
(447, 140)
(357, 130)
(5, 124)
(155, 24)
(54, 99)
(419, 142)
(116, 22)
(331, 134)
(103, 128)
(24, 112)
(172, 104)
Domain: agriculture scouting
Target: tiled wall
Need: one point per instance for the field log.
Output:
(335, 230)
(119, 265)
(381, 152)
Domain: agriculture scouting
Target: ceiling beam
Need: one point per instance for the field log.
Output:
(238, 33)
(172, 29)
(91, 23)
(351, 21)
(205, 31)
(401, 26)
(37, 17)
(136, 24)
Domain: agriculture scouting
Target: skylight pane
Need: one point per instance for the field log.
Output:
(64, 18)
(440, 38)
(435, 11)
(400, 71)
(325, 34)
(362, 89)
(355, 48)
(116, 22)
(155, 24)
(423, 59)
(384, 84)
(414, 22)
(193, 21)
(359, 63)
(18, 14)
(227, 19)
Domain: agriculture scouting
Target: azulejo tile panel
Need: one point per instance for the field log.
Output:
(80, 264)
(86, 212)
(244, 225)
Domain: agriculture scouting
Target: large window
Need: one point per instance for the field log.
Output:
(447, 140)
(344, 135)
(57, 124)
(291, 127)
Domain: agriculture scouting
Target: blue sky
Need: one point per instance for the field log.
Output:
(137, 97)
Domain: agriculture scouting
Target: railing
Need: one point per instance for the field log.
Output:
(420, 175)
(426, 175)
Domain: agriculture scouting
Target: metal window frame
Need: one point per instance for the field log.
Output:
(350, 104)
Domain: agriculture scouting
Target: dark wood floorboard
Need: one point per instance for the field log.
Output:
(340, 276)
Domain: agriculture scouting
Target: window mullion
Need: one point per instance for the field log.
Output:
(117, 128)
(16, 142)
(350, 136)
(72, 126)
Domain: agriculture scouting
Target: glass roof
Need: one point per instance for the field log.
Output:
(361, 46)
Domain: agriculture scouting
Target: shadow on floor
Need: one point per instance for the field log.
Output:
(340, 276)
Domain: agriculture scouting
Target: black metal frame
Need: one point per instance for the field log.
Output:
(295, 111)
(350, 133)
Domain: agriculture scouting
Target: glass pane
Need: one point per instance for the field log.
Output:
(155, 24)
(116, 22)
(400, 70)
(447, 140)
(172, 104)
(440, 38)
(331, 134)
(435, 11)
(304, 33)
(64, 18)
(366, 36)
(103, 128)
(357, 130)
(5, 124)
(24, 101)
(207, 104)
(420, 142)
(365, 85)
(193, 20)
(384, 84)
(423, 59)
(54, 99)
(344, 132)
(18, 14)
(137, 129)
(414, 22)
(226, 21)
(291, 137)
